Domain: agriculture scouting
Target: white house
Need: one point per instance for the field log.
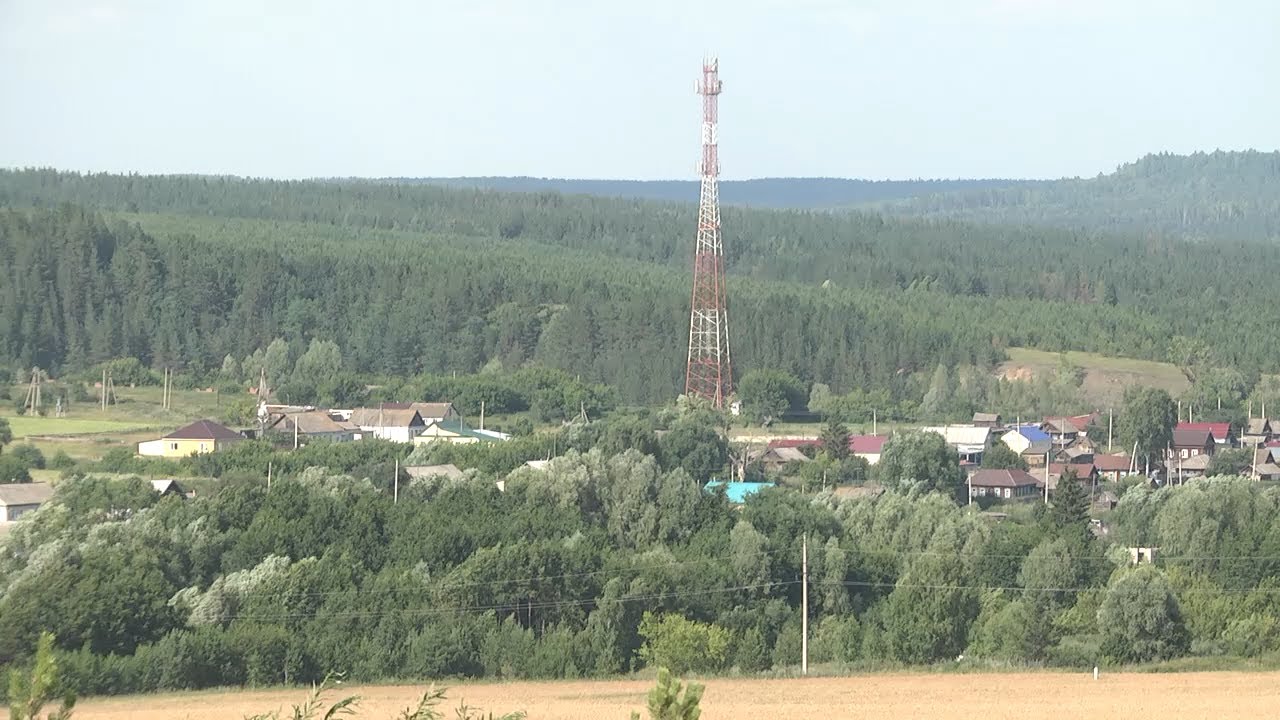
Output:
(970, 441)
(1029, 441)
(388, 423)
(18, 499)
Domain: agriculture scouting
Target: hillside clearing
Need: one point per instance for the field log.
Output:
(1105, 378)
(1021, 696)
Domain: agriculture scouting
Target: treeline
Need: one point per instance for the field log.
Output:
(603, 563)
(779, 193)
(1218, 196)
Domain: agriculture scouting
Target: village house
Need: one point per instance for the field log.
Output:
(867, 447)
(1030, 442)
(198, 438)
(452, 431)
(1085, 473)
(18, 499)
(969, 441)
(167, 487)
(774, 459)
(1257, 432)
(1190, 442)
(394, 424)
(429, 411)
(1065, 431)
(982, 419)
(1112, 467)
(313, 425)
(1003, 484)
(1191, 468)
(1223, 434)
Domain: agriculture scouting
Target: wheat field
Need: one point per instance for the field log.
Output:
(985, 696)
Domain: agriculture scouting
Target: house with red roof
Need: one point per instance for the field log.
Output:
(867, 447)
(1222, 432)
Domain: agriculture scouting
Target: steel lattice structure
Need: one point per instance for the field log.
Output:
(709, 374)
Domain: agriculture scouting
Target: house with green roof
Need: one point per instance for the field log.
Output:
(454, 431)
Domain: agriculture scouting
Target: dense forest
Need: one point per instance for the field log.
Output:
(612, 559)
(185, 271)
(1204, 196)
(778, 193)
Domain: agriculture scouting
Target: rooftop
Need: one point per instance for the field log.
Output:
(1003, 478)
(867, 444)
(25, 493)
(1219, 430)
(738, 492)
(204, 430)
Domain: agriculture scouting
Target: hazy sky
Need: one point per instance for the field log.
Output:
(604, 88)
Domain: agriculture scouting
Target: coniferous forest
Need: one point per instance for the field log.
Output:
(184, 271)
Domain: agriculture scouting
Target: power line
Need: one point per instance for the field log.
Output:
(544, 605)
(427, 584)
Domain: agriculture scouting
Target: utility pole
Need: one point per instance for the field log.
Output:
(874, 422)
(481, 414)
(1046, 478)
(1110, 425)
(268, 477)
(104, 390)
(395, 497)
(34, 401)
(804, 605)
(295, 431)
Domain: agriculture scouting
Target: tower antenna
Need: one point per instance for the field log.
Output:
(709, 374)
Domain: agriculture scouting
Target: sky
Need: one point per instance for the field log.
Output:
(880, 89)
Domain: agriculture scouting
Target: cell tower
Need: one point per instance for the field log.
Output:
(709, 374)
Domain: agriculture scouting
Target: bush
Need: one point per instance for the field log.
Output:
(28, 454)
(61, 461)
(13, 469)
(679, 644)
(1076, 651)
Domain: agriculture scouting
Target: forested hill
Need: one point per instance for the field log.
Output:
(421, 278)
(792, 193)
(1219, 195)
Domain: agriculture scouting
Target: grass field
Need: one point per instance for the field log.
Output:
(1020, 696)
(23, 426)
(86, 432)
(1105, 378)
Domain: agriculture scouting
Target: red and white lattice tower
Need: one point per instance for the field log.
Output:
(709, 374)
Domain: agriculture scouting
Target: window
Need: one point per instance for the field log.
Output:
(1006, 493)
(173, 446)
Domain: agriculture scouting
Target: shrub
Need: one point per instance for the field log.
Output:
(29, 454)
(13, 469)
(61, 461)
(675, 642)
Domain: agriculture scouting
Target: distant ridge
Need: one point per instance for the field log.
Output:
(777, 193)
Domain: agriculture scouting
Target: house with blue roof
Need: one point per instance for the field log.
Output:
(1029, 441)
(737, 492)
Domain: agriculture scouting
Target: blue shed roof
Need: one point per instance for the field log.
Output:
(738, 492)
(1033, 433)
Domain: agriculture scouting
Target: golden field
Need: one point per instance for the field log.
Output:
(984, 696)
